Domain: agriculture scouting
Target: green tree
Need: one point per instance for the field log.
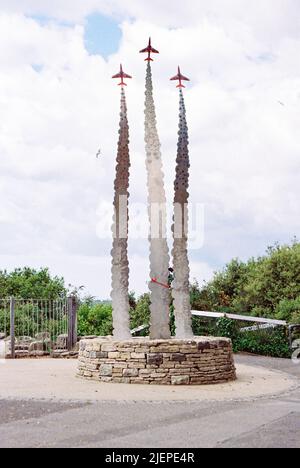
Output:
(289, 310)
(95, 319)
(132, 300)
(256, 287)
(271, 279)
(28, 283)
(141, 314)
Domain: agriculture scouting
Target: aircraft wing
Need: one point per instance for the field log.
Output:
(154, 51)
(175, 78)
(118, 75)
(126, 76)
(184, 78)
(143, 51)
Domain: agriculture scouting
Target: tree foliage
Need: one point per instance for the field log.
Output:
(140, 315)
(268, 286)
(94, 319)
(28, 283)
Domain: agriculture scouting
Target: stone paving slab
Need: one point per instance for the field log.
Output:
(55, 379)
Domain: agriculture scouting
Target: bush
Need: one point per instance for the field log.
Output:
(32, 319)
(267, 286)
(4, 321)
(140, 315)
(289, 310)
(203, 326)
(27, 283)
(227, 328)
(95, 319)
(267, 343)
(272, 342)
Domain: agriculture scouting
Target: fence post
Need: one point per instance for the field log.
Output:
(75, 314)
(72, 322)
(12, 328)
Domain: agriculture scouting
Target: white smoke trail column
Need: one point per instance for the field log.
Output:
(159, 252)
(120, 264)
(180, 292)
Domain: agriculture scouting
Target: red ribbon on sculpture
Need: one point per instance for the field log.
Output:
(154, 280)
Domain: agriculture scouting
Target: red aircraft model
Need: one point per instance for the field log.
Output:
(122, 75)
(149, 50)
(180, 78)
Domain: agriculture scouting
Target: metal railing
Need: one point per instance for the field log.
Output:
(261, 322)
(241, 318)
(31, 326)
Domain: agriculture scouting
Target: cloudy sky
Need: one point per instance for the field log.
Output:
(58, 106)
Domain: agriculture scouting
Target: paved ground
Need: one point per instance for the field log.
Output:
(55, 379)
(229, 419)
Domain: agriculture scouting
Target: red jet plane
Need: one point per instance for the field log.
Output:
(122, 75)
(149, 50)
(180, 78)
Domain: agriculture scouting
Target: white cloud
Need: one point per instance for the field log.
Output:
(244, 143)
(268, 18)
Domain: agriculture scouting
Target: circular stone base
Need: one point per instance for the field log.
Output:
(199, 361)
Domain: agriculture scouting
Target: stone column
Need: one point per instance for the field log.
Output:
(159, 252)
(120, 264)
(181, 294)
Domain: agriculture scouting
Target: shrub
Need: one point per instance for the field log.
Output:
(263, 287)
(140, 315)
(30, 320)
(28, 283)
(227, 328)
(289, 310)
(272, 343)
(95, 319)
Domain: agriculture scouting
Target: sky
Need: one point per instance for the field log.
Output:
(58, 106)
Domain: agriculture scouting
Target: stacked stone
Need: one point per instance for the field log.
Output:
(199, 361)
(181, 285)
(159, 251)
(119, 253)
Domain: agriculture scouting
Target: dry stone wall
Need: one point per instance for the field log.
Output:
(199, 361)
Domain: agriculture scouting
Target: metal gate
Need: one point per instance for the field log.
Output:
(36, 328)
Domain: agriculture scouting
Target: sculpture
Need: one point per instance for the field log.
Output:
(159, 251)
(159, 360)
(119, 253)
(180, 290)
